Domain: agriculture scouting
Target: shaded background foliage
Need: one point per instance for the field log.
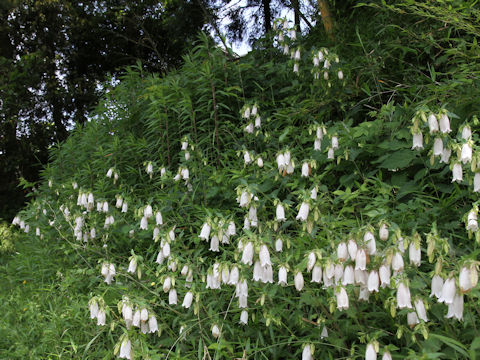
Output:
(412, 54)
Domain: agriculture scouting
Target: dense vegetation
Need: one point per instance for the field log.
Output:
(349, 171)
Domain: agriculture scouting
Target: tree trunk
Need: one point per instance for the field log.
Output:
(267, 17)
(327, 18)
(296, 10)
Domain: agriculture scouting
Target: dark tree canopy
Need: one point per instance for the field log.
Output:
(56, 55)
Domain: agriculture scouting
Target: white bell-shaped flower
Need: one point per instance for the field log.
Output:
(278, 245)
(215, 331)
(403, 296)
(234, 275)
(432, 123)
(348, 276)
(417, 141)
(438, 147)
(369, 239)
(172, 297)
(385, 275)
(132, 266)
(437, 286)
(334, 142)
(303, 212)
(352, 248)
(317, 274)
(307, 353)
(93, 309)
(340, 75)
(447, 152)
(298, 280)
(152, 324)
(455, 309)
(342, 299)
(317, 144)
(466, 154)
(260, 162)
(305, 170)
(444, 124)
(167, 284)
(383, 232)
(280, 213)
(387, 355)
(414, 253)
(205, 232)
(187, 300)
(472, 223)
(361, 260)
(144, 223)
(468, 278)
(247, 255)
(282, 276)
(421, 311)
(466, 133)
(338, 274)
(397, 262)
(244, 317)
(214, 244)
(412, 319)
(247, 158)
(101, 317)
(370, 352)
(476, 182)
(311, 261)
(342, 251)
(125, 349)
(373, 281)
(449, 290)
(264, 256)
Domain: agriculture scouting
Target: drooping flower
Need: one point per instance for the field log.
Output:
(466, 154)
(437, 286)
(244, 317)
(307, 353)
(383, 232)
(247, 255)
(472, 223)
(278, 245)
(373, 281)
(348, 276)
(444, 124)
(417, 141)
(385, 274)
(215, 331)
(342, 299)
(476, 182)
(305, 169)
(172, 297)
(352, 248)
(126, 349)
(420, 308)
(280, 213)
(455, 309)
(446, 155)
(369, 239)
(317, 274)
(438, 147)
(282, 276)
(264, 256)
(361, 260)
(432, 123)
(132, 266)
(387, 355)
(298, 280)
(152, 324)
(397, 262)
(412, 319)
(403, 296)
(303, 212)
(311, 261)
(468, 278)
(415, 253)
(448, 291)
(370, 352)
(342, 251)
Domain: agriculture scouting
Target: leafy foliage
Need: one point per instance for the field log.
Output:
(141, 134)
